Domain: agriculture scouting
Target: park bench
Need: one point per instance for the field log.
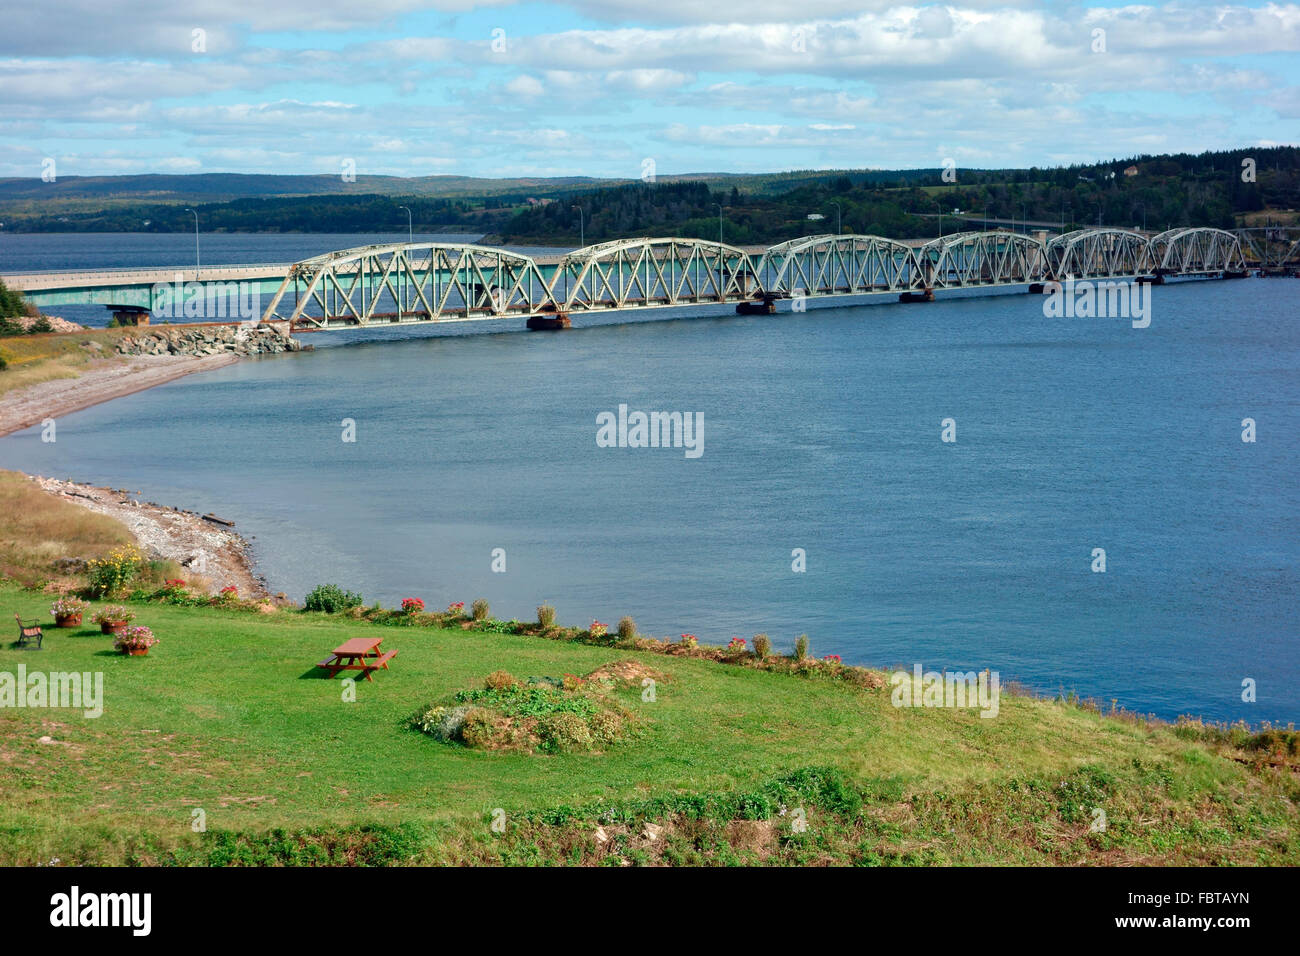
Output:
(29, 632)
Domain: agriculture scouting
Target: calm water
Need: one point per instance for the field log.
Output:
(822, 432)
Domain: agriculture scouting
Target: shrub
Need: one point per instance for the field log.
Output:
(626, 628)
(111, 574)
(597, 630)
(500, 680)
(605, 727)
(546, 616)
(40, 326)
(412, 605)
(456, 609)
(801, 647)
(331, 599)
(564, 731)
(762, 646)
(478, 728)
(480, 609)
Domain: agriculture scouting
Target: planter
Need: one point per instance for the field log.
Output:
(68, 620)
(113, 627)
(136, 652)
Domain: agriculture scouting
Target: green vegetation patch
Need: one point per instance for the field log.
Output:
(539, 715)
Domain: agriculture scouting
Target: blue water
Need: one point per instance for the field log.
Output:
(822, 432)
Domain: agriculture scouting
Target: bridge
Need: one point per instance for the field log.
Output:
(425, 282)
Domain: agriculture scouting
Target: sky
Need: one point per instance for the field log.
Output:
(618, 88)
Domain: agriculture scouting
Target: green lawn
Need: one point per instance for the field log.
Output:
(228, 714)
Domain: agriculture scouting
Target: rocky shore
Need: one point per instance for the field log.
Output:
(268, 339)
(215, 554)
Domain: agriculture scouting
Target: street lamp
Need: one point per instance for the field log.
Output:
(410, 229)
(196, 244)
(1144, 215)
(582, 228)
(838, 217)
(719, 205)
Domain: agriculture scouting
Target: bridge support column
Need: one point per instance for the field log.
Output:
(925, 296)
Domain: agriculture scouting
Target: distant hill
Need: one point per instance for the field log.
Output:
(1206, 189)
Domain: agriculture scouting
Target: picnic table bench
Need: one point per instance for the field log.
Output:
(358, 654)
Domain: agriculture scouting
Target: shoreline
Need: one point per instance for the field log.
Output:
(215, 553)
(25, 407)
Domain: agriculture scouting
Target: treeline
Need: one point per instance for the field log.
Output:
(366, 213)
(1203, 190)
(1208, 189)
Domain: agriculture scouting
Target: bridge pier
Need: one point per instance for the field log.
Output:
(925, 296)
(549, 323)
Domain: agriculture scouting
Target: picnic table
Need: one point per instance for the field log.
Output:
(358, 654)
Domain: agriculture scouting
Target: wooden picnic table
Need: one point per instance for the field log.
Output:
(358, 654)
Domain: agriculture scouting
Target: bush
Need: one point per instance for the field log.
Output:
(801, 647)
(762, 646)
(500, 680)
(478, 729)
(480, 609)
(331, 599)
(40, 326)
(110, 575)
(564, 731)
(546, 616)
(626, 628)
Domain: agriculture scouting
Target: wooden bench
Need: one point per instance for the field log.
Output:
(28, 632)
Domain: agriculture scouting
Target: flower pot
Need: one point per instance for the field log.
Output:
(137, 652)
(68, 620)
(113, 627)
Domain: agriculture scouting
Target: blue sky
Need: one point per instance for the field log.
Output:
(403, 87)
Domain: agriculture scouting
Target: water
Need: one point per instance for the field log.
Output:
(822, 432)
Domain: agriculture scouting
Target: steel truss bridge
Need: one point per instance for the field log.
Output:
(401, 283)
(413, 282)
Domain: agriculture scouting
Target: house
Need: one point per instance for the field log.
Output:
(1131, 171)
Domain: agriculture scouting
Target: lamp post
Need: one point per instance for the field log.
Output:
(410, 228)
(719, 205)
(582, 228)
(196, 244)
(839, 217)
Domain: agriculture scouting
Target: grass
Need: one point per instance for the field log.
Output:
(228, 715)
(32, 359)
(38, 530)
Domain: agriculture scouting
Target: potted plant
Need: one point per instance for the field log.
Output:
(113, 618)
(67, 611)
(135, 641)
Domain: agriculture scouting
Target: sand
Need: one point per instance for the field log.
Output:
(21, 408)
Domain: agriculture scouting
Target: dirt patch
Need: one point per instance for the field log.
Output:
(630, 672)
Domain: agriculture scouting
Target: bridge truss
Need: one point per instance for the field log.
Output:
(431, 282)
(410, 282)
(642, 273)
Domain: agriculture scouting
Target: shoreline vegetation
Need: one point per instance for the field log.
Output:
(738, 755)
